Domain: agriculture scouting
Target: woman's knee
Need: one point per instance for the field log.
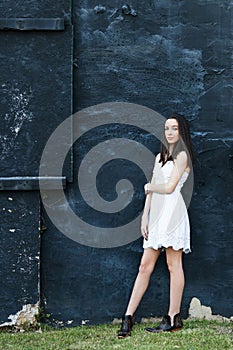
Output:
(146, 268)
(174, 266)
(174, 260)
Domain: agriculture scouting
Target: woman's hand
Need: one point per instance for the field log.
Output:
(147, 188)
(144, 226)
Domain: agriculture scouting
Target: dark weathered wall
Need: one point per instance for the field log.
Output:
(168, 56)
(164, 54)
(19, 253)
(35, 71)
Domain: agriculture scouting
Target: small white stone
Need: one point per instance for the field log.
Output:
(206, 312)
(195, 310)
(198, 311)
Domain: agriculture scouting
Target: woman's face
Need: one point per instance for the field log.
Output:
(171, 131)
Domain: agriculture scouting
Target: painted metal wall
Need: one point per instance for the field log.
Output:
(36, 55)
(165, 55)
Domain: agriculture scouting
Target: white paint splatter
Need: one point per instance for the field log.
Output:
(14, 119)
(84, 322)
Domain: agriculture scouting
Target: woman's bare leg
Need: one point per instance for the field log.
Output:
(148, 261)
(174, 262)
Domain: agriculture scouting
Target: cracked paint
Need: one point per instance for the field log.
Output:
(26, 314)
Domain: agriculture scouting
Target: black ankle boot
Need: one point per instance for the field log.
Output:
(165, 325)
(177, 323)
(126, 326)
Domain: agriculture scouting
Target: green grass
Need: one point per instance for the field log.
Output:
(195, 335)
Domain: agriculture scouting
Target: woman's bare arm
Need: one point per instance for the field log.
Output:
(146, 209)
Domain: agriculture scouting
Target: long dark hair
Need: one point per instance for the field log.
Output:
(184, 143)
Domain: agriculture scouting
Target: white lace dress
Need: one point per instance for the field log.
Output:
(168, 217)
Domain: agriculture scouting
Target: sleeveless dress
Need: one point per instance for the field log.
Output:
(168, 218)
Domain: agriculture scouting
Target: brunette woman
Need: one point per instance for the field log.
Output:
(165, 224)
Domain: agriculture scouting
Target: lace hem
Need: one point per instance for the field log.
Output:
(159, 246)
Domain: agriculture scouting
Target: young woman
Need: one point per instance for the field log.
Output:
(165, 224)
